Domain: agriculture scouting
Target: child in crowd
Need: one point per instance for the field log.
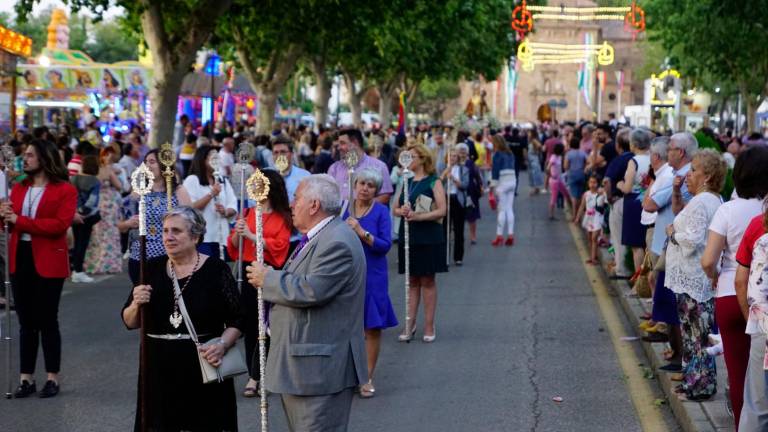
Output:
(556, 183)
(591, 209)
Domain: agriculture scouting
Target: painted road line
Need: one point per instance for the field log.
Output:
(638, 385)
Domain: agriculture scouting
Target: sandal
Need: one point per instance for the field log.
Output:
(367, 390)
(250, 392)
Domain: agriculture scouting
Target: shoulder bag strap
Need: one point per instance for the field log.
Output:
(183, 307)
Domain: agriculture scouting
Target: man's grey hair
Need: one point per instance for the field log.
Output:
(462, 147)
(323, 188)
(201, 141)
(369, 175)
(686, 142)
(659, 147)
(193, 217)
(640, 139)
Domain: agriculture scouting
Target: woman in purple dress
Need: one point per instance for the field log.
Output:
(372, 223)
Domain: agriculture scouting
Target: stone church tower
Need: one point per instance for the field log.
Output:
(560, 81)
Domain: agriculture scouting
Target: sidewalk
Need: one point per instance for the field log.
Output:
(708, 416)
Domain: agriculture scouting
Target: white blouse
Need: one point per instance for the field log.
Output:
(216, 226)
(684, 272)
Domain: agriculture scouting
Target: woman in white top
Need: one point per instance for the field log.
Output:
(719, 263)
(214, 197)
(685, 276)
(634, 184)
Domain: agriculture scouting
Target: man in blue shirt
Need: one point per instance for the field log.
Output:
(283, 146)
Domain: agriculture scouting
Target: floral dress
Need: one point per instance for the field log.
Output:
(103, 253)
(593, 214)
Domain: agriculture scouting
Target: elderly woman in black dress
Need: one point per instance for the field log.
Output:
(176, 398)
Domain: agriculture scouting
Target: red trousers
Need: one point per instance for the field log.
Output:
(736, 345)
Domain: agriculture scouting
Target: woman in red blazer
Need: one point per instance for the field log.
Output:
(41, 209)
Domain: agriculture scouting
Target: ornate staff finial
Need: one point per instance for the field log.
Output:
(245, 153)
(6, 154)
(282, 164)
(405, 159)
(351, 159)
(141, 182)
(167, 157)
(257, 186)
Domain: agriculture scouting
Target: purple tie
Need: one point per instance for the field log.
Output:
(302, 243)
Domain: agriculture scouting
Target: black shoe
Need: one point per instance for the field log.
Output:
(656, 337)
(50, 389)
(672, 367)
(25, 389)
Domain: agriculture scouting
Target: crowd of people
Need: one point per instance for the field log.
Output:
(683, 211)
(685, 216)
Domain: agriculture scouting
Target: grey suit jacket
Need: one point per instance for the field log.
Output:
(316, 322)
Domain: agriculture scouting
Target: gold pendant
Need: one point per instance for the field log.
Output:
(175, 319)
(152, 230)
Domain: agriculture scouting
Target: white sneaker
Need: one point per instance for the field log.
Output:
(81, 277)
(716, 350)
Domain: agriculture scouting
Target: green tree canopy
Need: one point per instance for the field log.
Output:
(716, 41)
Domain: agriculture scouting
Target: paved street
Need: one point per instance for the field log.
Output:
(515, 328)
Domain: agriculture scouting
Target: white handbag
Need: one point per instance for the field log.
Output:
(233, 361)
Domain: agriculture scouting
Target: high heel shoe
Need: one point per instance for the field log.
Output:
(510, 241)
(429, 339)
(406, 337)
(498, 241)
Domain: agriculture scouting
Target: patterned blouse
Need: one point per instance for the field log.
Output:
(686, 246)
(156, 208)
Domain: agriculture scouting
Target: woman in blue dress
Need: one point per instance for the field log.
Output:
(372, 223)
(157, 206)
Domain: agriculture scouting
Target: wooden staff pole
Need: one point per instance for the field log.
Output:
(141, 181)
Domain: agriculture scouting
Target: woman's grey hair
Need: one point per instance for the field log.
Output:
(194, 219)
(323, 188)
(686, 142)
(462, 147)
(640, 139)
(659, 147)
(369, 175)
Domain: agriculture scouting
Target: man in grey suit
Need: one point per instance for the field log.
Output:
(317, 353)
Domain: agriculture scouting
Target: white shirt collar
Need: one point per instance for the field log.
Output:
(320, 225)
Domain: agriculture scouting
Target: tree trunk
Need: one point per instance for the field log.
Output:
(385, 107)
(355, 99)
(751, 113)
(171, 61)
(164, 99)
(323, 92)
(267, 106)
(269, 80)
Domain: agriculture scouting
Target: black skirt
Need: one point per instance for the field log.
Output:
(177, 399)
(426, 259)
(632, 231)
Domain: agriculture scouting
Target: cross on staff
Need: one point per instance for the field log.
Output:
(258, 191)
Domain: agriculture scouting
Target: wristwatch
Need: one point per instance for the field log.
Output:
(368, 235)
